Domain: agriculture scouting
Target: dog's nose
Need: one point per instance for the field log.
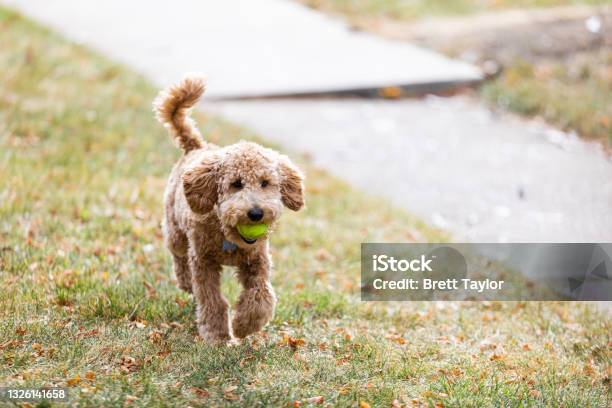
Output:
(255, 214)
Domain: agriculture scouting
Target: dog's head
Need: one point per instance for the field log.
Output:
(245, 184)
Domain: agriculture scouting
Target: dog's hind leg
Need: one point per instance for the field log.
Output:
(177, 243)
(181, 270)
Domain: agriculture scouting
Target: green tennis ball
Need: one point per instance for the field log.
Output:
(252, 231)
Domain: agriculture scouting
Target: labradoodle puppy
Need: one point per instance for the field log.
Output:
(210, 192)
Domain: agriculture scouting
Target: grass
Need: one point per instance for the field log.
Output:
(406, 10)
(574, 94)
(87, 300)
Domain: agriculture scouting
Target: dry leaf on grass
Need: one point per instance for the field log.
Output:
(74, 381)
(319, 399)
(86, 334)
(10, 344)
(180, 302)
(156, 336)
(90, 375)
(292, 342)
(396, 338)
(200, 392)
(496, 357)
(324, 255)
(137, 324)
(129, 364)
(151, 291)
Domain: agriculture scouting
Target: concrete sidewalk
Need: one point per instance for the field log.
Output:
(480, 176)
(246, 47)
(484, 177)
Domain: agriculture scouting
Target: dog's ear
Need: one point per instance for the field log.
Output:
(291, 184)
(200, 185)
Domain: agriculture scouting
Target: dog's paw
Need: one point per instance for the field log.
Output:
(216, 339)
(243, 325)
(254, 309)
(186, 286)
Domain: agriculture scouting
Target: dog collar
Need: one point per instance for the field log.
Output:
(229, 246)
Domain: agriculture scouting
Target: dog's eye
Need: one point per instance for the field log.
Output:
(264, 183)
(237, 184)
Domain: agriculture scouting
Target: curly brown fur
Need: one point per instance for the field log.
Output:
(172, 107)
(204, 204)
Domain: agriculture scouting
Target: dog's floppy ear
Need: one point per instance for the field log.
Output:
(200, 185)
(291, 184)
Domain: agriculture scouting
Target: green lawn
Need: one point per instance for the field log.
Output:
(411, 9)
(87, 300)
(572, 93)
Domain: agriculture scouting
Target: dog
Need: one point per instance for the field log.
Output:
(210, 191)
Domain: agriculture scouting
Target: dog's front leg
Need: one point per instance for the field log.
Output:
(212, 308)
(256, 303)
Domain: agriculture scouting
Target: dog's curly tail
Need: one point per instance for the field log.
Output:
(172, 107)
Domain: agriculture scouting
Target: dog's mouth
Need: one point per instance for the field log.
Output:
(248, 241)
(251, 233)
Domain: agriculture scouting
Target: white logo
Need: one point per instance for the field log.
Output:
(384, 263)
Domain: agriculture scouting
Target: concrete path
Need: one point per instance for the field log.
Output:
(245, 47)
(482, 177)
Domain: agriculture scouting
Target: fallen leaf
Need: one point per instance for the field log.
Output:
(156, 336)
(315, 400)
(324, 255)
(90, 375)
(139, 325)
(534, 393)
(9, 344)
(176, 325)
(180, 302)
(292, 342)
(396, 338)
(391, 92)
(589, 369)
(151, 291)
(230, 388)
(74, 381)
(363, 404)
(129, 364)
(488, 317)
(496, 357)
(86, 334)
(231, 397)
(202, 393)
